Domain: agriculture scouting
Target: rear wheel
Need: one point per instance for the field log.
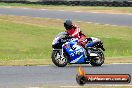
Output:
(57, 59)
(99, 60)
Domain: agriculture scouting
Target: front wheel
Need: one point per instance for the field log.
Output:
(57, 59)
(99, 60)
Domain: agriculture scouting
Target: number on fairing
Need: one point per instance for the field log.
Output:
(76, 47)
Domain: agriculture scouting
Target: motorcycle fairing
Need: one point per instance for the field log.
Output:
(93, 42)
(75, 52)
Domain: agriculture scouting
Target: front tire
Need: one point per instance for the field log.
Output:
(97, 61)
(57, 59)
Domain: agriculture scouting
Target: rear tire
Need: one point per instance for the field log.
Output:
(97, 61)
(57, 61)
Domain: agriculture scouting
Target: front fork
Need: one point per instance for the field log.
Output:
(60, 52)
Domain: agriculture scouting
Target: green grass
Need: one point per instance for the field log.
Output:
(73, 8)
(117, 40)
(21, 41)
(26, 38)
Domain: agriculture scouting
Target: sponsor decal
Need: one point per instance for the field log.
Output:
(83, 78)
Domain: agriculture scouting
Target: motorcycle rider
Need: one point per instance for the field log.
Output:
(74, 31)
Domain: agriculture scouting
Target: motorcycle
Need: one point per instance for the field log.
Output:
(67, 51)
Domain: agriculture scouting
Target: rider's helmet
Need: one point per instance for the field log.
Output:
(68, 24)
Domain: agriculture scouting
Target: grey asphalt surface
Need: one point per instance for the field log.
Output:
(32, 76)
(113, 19)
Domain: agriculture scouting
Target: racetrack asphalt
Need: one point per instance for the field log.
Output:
(32, 76)
(103, 18)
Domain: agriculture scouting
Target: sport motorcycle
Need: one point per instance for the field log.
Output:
(66, 50)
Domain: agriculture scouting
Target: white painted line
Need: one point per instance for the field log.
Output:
(33, 87)
(110, 25)
(58, 19)
(8, 7)
(97, 23)
(129, 14)
(43, 9)
(117, 85)
(70, 86)
(97, 85)
(79, 21)
(61, 10)
(74, 11)
(95, 12)
(25, 8)
(38, 17)
(106, 24)
(78, 11)
(114, 25)
(112, 13)
(121, 63)
(89, 22)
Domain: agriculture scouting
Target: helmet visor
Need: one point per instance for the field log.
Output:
(67, 27)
